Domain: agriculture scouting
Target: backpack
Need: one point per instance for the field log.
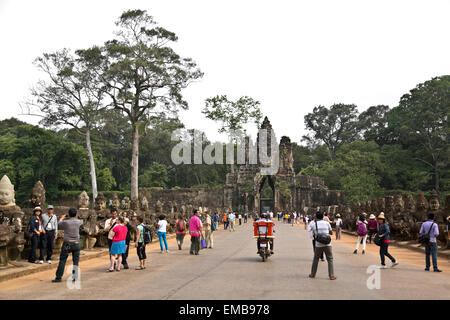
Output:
(148, 234)
(213, 225)
(361, 230)
(181, 226)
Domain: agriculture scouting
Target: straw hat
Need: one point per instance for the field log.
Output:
(372, 216)
(381, 216)
(338, 215)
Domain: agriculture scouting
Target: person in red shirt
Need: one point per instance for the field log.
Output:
(118, 246)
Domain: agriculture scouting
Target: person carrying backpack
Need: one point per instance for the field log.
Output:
(140, 243)
(429, 231)
(181, 231)
(361, 230)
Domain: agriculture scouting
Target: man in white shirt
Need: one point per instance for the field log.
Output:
(321, 227)
(208, 231)
(232, 218)
(50, 223)
(109, 224)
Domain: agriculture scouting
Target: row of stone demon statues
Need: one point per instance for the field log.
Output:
(14, 220)
(404, 214)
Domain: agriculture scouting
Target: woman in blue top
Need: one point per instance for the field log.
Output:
(384, 233)
(140, 243)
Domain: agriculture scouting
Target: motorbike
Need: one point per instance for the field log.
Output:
(263, 248)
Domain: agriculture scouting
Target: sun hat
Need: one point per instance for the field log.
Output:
(372, 216)
(37, 209)
(381, 216)
(338, 215)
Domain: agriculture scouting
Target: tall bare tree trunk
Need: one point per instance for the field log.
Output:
(135, 164)
(436, 176)
(91, 163)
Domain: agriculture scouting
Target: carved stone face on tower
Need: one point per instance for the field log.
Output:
(116, 201)
(83, 200)
(38, 195)
(434, 201)
(6, 192)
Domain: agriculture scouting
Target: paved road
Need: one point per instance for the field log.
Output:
(232, 270)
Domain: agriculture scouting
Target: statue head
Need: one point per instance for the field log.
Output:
(421, 203)
(144, 203)
(100, 202)
(116, 201)
(399, 204)
(6, 192)
(389, 203)
(83, 200)
(374, 205)
(434, 201)
(410, 204)
(5, 234)
(38, 195)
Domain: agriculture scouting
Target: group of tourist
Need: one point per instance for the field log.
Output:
(43, 231)
(320, 232)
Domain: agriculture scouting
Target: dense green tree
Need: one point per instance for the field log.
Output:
(30, 153)
(154, 176)
(422, 122)
(71, 95)
(332, 126)
(232, 114)
(142, 75)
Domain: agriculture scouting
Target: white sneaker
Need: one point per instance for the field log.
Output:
(382, 267)
(394, 264)
(41, 261)
(49, 261)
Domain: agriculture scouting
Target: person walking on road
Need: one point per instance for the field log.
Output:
(37, 236)
(384, 234)
(361, 231)
(372, 227)
(225, 221)
(181, 231)
(208, 231)
(339, 225)
(431, 228)
(140, 243)
(118, 247)
(71, 244)
(50, 222)
(240, 219)
(232, 220)
(195, 230)
(162, 233)
(322, 229)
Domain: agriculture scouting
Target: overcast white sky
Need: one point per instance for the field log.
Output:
(290, 55)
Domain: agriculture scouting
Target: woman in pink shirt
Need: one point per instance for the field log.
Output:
(195, 230)
(118, 246)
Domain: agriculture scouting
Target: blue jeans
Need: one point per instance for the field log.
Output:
(66, 249)
(431, 248)
(162, 236)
